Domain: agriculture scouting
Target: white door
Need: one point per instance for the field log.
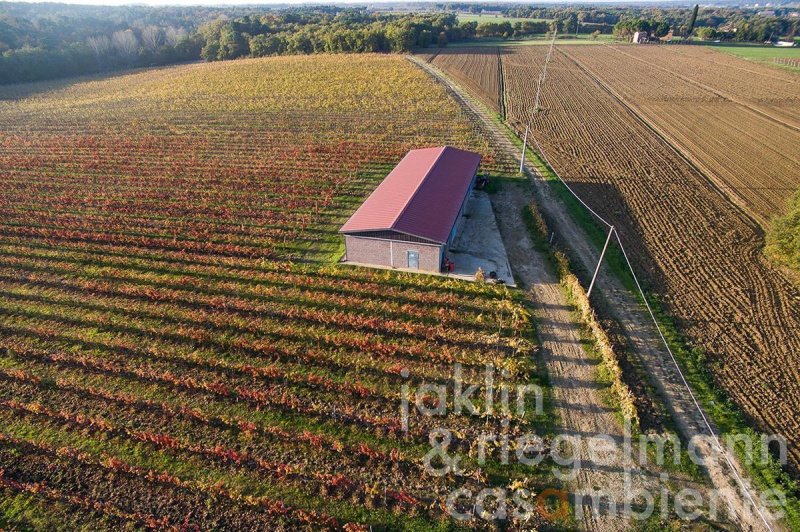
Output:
(413, 260)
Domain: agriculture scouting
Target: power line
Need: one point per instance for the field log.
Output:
(660, 333)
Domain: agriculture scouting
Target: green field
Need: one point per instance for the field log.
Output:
(492, 18)
(762, 54)
(758, 53)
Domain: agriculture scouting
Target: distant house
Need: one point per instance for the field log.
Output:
(669, 37)
(411, 219)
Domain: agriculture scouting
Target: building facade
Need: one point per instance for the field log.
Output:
(412, 217)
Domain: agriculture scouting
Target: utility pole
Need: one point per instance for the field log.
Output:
(524, 147)
(543, 74)
(536, 101)
(550, 51)
(599, 262)
(538, 92)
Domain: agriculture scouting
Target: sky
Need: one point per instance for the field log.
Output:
(296, 2)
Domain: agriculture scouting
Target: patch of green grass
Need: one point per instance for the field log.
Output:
(23, 511)
(761, 54)
(757, 52)
(674, 459)
(783, 237)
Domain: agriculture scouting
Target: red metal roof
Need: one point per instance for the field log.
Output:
(422, 196)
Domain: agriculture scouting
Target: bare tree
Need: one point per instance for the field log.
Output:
(100, 46)
(172, 35)
(152, 37)
(125, 43)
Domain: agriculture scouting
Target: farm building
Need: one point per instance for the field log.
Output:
(411, 219)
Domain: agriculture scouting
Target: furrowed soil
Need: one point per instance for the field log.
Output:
(728, 129)
(698, 250)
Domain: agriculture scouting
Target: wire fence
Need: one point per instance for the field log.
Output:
(793, 62)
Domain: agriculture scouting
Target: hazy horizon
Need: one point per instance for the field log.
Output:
(165, 3)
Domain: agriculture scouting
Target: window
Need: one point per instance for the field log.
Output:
(413, 260)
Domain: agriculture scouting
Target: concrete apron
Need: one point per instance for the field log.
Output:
(479, 244)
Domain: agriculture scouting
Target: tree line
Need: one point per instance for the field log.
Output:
(314, 31)
(44, 41)
(730, 23)
(712, 23)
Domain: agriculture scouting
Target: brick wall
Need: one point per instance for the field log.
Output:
(380, 253)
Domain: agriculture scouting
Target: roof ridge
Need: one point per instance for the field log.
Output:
(419, 186)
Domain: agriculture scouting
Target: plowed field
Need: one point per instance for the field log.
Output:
(699, 251)
(477, 69)
(729, 129)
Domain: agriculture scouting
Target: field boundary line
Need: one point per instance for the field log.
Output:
(501, 83)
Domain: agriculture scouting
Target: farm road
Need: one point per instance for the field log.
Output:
(582, 410)
(580, 405)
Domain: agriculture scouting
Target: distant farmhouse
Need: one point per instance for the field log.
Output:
(669, 37)
(411, 219)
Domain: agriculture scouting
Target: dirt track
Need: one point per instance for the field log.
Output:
(582, 411)
(572, 373)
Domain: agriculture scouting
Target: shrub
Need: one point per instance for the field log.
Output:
(783, 238)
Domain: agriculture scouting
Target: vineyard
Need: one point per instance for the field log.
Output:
(699, 252)
(176, 349)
